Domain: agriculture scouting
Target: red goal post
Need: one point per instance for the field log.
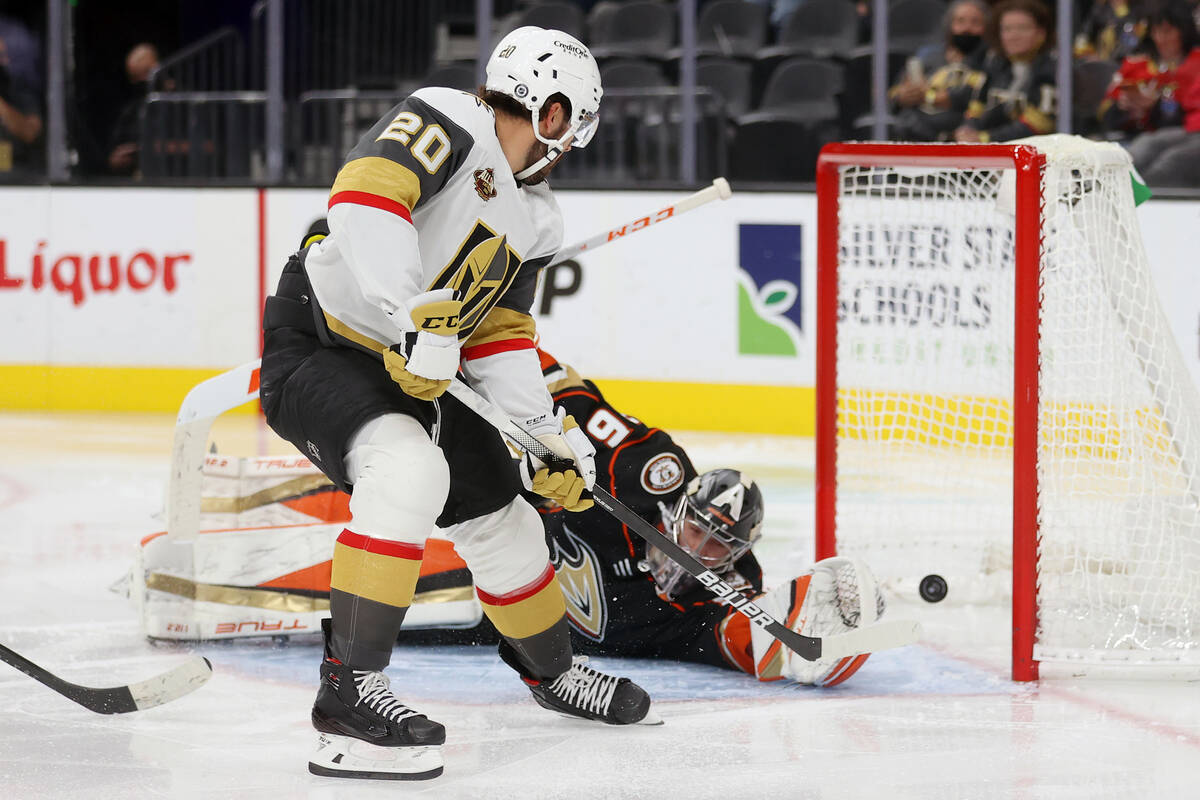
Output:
(901, 213)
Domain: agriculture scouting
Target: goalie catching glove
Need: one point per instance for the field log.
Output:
(574, 471)
(837, 595)
(425, 361)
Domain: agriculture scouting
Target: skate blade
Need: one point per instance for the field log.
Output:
(347, 757)
(651, 718)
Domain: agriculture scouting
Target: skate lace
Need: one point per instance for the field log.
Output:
(585, 687)
(374, 689)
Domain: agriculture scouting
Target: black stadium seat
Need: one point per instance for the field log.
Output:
(806, 87)
(773, 147)
(631, 73)
(820, 28)
(912, 24)
(635, 30)
(559, 16)
(730, 79)
(735, 28)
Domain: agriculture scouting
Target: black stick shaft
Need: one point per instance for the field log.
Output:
(118, 700)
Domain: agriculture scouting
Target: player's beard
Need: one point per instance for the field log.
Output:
(537, 151)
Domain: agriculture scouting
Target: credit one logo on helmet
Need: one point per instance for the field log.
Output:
(573, 49)
(770, 276)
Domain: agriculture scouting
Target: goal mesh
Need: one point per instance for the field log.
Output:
(924, 413)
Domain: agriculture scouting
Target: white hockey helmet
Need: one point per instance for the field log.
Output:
(530, 65)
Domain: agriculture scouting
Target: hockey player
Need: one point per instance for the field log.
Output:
(439, 221)
(627, 599)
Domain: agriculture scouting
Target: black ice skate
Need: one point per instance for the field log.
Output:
(583, 692)
(366, 732)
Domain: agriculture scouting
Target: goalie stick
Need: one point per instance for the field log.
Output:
(719, 190)
(174, 683)
(879, 636)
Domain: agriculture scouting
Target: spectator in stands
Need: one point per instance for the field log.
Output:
(140, 64)
(1163, 96)
(928, 103)
(1111, 30)
(25, 62)
(20, 126)
(1144, 93)
(1017, 97)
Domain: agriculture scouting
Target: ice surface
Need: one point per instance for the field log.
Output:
(936, 720)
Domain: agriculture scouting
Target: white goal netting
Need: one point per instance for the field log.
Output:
(925, 360)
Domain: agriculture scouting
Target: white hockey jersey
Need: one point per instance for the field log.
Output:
(427, 200)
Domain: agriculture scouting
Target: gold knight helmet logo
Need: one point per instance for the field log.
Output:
(485, 183)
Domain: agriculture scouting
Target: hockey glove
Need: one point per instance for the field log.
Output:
(426, 359)
(567, 477)
(836, 595)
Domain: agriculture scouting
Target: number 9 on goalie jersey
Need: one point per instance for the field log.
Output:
(837, 595)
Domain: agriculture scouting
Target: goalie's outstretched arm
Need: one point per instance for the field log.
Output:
(881, 636)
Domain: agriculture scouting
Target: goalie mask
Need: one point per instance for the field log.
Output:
(718, 519)
(533, 64)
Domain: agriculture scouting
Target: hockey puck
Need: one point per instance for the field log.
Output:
(933, 588)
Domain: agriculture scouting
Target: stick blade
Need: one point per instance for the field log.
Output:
(186, 678)
(723, 190)
(871, 639)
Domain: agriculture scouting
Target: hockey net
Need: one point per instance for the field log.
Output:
(1000, 399)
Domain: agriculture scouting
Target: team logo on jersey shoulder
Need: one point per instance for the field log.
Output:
(662, 474)
(579, 576)
(485, 183)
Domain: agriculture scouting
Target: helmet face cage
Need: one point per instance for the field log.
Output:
(717, 520)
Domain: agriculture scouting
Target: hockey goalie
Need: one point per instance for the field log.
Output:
(261, 563)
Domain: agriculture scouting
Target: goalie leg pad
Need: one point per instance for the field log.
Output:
(346, 757)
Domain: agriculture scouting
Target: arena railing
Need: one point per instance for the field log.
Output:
(214, 137)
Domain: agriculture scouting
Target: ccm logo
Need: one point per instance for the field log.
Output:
(438, 323)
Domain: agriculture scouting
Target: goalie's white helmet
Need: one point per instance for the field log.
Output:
(530, 65)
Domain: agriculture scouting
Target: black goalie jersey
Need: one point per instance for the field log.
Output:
(613, 605)
(612, 602)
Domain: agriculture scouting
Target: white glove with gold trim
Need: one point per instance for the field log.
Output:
(565, 480)
(425, 361)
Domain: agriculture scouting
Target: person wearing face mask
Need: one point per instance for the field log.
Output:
(1017, 96)
(929, 102)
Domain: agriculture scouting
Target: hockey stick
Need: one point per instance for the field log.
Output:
(879, 636)
(190, 675)
(204, 403)
(718, 191)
